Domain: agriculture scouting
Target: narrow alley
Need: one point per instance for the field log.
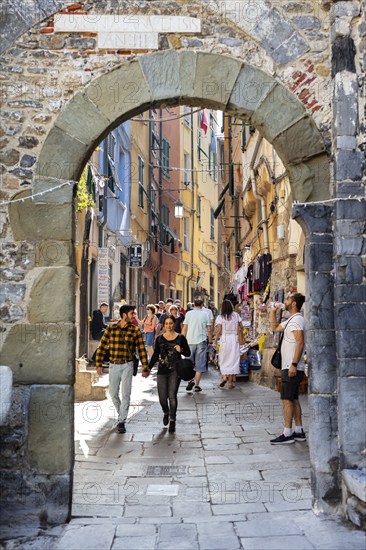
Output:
(216, 483)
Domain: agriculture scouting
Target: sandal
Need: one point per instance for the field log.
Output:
(223, 382)
(231, 386)
(197, 389)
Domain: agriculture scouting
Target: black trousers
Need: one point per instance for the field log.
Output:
(168, 385)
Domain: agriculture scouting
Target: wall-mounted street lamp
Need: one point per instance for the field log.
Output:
(178, 209)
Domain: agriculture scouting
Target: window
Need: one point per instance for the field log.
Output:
(152, 199)
(212, 287)
(111, 144)
(165, 215)
(141, 181)
(199, 150)
(212, 224)
(187, 115)
(212, 120)
(187, 169)
(243, 137)
(165, 160)
(186, 234)
(212, 163)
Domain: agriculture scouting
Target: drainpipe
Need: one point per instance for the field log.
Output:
(263, 221)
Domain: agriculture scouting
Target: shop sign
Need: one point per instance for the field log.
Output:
(135, 255)
(103, 276)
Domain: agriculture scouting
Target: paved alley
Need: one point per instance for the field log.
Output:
(216, 483)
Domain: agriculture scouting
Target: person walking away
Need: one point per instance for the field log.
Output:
(227, 330)
(292, 371)
(168, 349)
(197, 329)
(179, 318)
(122, 339)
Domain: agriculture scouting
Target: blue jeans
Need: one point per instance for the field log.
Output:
(121, 374)
(199, 356)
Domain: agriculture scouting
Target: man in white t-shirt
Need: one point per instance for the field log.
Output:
(197, 329)
(292, 371)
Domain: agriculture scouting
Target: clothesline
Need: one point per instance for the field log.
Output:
(40, 194)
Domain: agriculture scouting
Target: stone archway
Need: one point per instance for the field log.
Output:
(170, 77)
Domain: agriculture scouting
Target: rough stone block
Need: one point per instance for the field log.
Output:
(317, 218)
(250, 89)
(54, 253)
(346, 142)
(354, 209)
(341, 9)
(35, 499)
(346, 109)
(319, 258)
(272, 30)
(351, 343)
(356, 512)
(56, 282)
(349, 165)
(350, 227)
(350, 293)
(323, 370)
(349, 271)
(319, 308)
(37, 222)
(12, 292)
(215, 79)
(51, 437)
(300, 141)
(6, 387)
(350, 189)
(64, 194)
(355, 481)
(40, 353)
(351, 401)
(323, 430)
(326, 491)
(291, 49)
(279, 110)
(310, 179)
(123, 90)
(350, 316)
(87, 536)
(348, 245)
(351, 367)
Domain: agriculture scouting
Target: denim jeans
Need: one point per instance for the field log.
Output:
(168, 385)
(121, 375)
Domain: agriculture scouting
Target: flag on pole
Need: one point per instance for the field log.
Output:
(204, 122)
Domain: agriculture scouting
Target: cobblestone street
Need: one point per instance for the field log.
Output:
(216, 483)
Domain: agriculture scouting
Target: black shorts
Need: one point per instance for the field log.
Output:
(290, 385)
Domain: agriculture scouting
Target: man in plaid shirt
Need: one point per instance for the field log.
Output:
(122, 339)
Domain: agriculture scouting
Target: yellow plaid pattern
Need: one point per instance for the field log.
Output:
(122, 343)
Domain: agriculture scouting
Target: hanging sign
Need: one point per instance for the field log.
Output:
(135, 255)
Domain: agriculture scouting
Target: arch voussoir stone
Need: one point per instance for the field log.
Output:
(214, 80)
(123, 91)
(279, 110)
(310, 179)
(299, 141)
(53, 162)
(250, 89)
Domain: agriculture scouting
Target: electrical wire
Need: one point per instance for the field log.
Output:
(164, 119)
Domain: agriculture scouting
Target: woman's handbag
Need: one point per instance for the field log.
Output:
(241, 335)
(276, 360)
(185, 369)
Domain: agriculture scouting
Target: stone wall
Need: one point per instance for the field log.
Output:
(61, 93)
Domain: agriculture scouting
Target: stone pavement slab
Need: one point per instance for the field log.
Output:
(216, 484)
